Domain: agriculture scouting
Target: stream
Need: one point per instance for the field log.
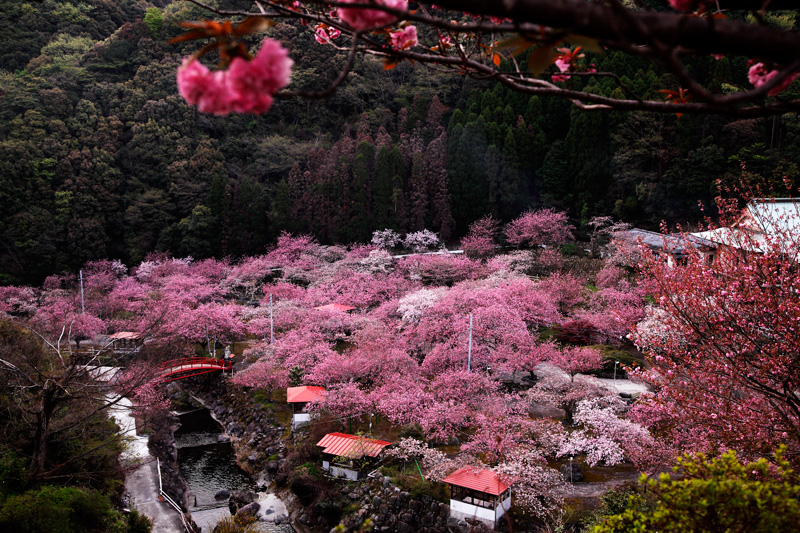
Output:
(209, 466)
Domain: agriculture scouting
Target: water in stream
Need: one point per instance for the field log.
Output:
(209, 466)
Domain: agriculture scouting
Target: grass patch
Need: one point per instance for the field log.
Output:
(411, 482)
(611, 355)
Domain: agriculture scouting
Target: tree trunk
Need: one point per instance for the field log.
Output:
(39, 455)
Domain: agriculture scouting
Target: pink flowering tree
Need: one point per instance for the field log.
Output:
(420, 241)
(723, 347)
(576, 359)
(267, 373)
(479, 242)
(605, 435)
(533, 228)
(536, 485)
(150, 402)
(386, 239)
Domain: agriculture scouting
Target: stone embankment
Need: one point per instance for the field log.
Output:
(163, 446)
(256, 437)
(388, 509)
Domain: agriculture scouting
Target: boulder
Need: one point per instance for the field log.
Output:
(222, 494)
(251, 509)
(240, 499)
(540, 410)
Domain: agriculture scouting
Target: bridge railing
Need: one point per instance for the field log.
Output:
(161, 494)
(188, 361)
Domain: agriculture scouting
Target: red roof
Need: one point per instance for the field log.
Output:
(350, 446)
(479, 479)
(124, 335)
(303, 394)
(338, 308)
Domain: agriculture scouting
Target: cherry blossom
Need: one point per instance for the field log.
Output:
(759, 75)
(325, 34)
(245, 87)
(361, 19)
(533, 228)
(203, 88)
(405, 38)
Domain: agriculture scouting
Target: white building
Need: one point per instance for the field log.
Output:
(298, 398)
(478, 493)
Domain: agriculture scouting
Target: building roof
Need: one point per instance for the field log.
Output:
(124, 335)
(674, 243)
(303, 394)
(338, 308)
(480, 479)
(351, 446)
(771, 215)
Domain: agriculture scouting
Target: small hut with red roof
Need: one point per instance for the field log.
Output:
(479, 493)
(298, 398)
(348, 456)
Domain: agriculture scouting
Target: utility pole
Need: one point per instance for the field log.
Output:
(469, 348)
(83, 306)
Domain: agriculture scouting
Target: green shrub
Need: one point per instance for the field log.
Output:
(138, 523)
(13, 472)
(610, 355)
(330, 510)
(60, 510)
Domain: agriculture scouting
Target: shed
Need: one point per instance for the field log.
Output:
(299, 397)
(479, 493)
(347, 456)
(126, 342)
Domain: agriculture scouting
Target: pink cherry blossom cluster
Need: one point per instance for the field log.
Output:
(404, 39)
(246, 87)
(325, 34)
(686, 5)
(362, 19)
(759, 75)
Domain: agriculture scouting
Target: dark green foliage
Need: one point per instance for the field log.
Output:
(62, 510)
(99, 156)
(330, 510)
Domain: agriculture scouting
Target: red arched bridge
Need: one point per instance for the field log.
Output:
(191, 366)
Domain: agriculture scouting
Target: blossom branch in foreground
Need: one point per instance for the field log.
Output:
(485, 39)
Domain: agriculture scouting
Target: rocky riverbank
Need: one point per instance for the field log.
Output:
(388, 509)
(256, 436)
(163, 446)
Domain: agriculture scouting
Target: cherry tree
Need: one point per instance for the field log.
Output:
(386, 239)
(724, 344)
(576, 359)
(479, 242)
(267, 373)
(420, 241)
(149, 399)
(535, 47)
(209, 324)
(533, 228)
(604, 435)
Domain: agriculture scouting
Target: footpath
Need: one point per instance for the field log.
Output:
(141, 483)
